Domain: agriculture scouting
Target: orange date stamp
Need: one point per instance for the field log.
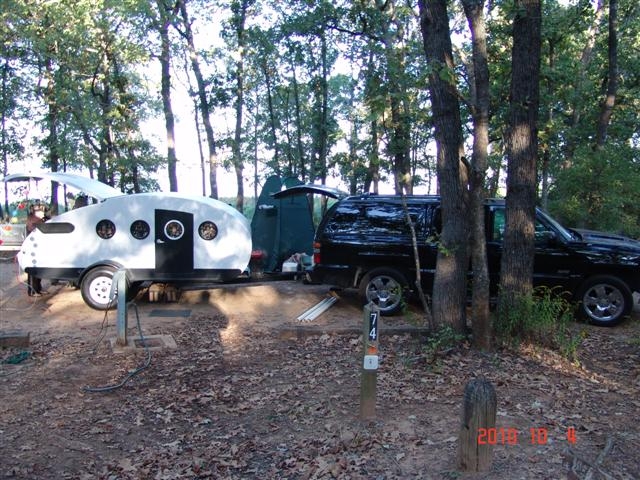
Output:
(512, 436)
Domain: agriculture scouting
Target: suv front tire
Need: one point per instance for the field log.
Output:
(604, 300)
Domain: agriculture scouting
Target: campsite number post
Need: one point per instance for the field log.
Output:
(369, 377)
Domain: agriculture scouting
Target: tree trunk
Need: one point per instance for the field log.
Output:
(481, 321)
(272, 119)
(321, 166)
(449, 289)
(165, 89)
(202, 95)
(399, 145)
(585, 61)
(516, 275)
(400, 140)
(606, 109)
(52, 124)
(256, 115)
(372, 178)
(546, 147)
(5, 146)
(240, 18)
(196, 121)
(302, 170)
(353, 161)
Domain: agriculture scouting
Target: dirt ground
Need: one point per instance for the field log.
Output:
(251, 392)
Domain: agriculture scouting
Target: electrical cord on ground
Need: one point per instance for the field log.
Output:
(130, 375)
(9, 258)
(104, 325)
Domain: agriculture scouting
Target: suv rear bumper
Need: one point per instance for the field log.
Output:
(337, 275)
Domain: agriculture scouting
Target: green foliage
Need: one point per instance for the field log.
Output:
(543, 318)
(319, 76)
(440, 342)
(79, 66)
(600, 191)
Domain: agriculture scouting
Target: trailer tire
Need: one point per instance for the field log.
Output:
(96, 287)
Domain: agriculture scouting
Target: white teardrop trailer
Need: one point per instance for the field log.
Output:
(158, 237)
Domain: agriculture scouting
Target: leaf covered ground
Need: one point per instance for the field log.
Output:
(239, 400)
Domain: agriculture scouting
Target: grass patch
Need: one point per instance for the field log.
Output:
(543, 318)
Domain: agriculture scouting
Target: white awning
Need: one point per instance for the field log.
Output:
(89, 186)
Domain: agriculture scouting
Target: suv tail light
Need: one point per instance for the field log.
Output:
(316, 253)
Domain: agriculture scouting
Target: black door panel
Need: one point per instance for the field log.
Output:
(174, 241)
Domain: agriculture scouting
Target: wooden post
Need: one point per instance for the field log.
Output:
(369, 375)
(475, 447)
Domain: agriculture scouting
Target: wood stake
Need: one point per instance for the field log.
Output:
(478, 412)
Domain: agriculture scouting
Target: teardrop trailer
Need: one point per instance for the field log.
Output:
(158, 237)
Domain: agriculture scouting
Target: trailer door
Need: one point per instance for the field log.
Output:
(174, 241)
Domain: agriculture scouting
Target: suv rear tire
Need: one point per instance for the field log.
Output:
(604, 300)
(386, 288)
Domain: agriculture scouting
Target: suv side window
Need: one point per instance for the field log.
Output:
(541, 231)
(374, 219)
(390, 218)
(346, 219)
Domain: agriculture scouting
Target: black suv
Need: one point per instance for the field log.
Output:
(364, 242)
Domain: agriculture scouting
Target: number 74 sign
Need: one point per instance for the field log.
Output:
(370, 338)
(373, 326)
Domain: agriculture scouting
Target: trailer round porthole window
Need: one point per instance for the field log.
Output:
(208, 230)
(105, 229)
(174, 229)
(140, 229)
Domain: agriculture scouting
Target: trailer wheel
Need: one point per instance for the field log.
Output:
(96, 287)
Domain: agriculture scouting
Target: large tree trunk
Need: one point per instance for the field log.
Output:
(202, 95)
(165, 62)
(516, 275)
(481, 321)
(449, 290)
